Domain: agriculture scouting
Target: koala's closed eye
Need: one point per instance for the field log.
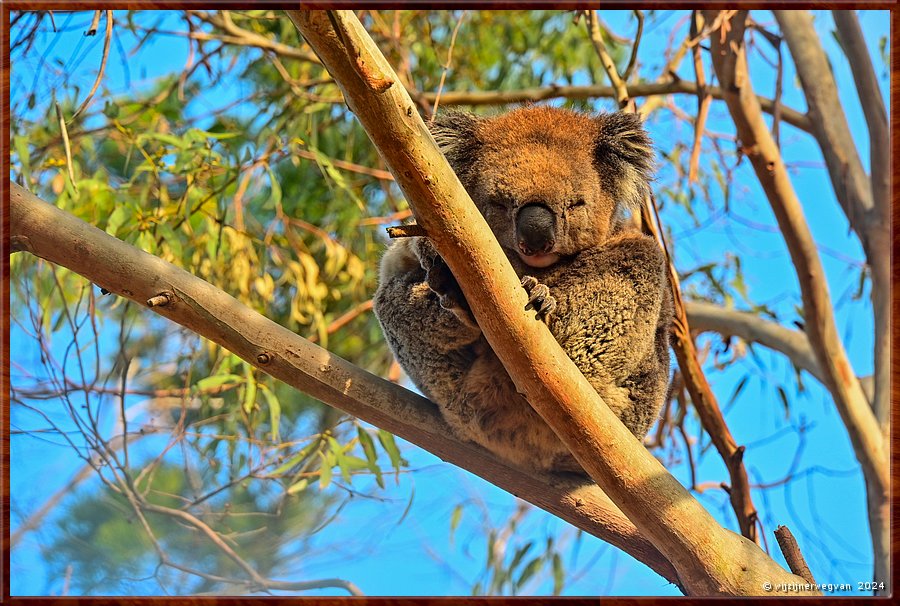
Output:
(580, 202)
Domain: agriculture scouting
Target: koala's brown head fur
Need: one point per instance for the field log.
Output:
(550, 182)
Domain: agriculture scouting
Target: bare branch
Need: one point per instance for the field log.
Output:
(867, 206)
(750, 327)
(609, 65)
(239, 36)
(52, 234)
(878, 225)
(792, 554)
(642, 89)
(854, 45)
(406, 231)
(639, 15)
(67, 146)
(730, 62)
(99, 78)
(830, 128)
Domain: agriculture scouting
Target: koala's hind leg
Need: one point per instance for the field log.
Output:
(489, 411)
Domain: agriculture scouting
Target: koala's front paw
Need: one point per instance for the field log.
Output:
(539, 297)
(450, 296)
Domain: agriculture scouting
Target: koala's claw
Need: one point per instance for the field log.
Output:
(450, 296)
(539, 297)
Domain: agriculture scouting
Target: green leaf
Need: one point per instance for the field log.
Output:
(390, 447)
(559, 577)
(784, 402)
(521, 552)
(275, 196)
(217, 381)
(117, 219)
(412, 496)
(298, 486)
(737, 391)
(338, 451)
(249, 401)
(355, 463)
(368, 446)
(274, 409)
(111, 110)
(21, 144)
(300, 457)
(172, 241)
(455, 519)
(325, 471)
(530, 569)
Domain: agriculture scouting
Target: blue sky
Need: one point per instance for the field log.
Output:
(368, 544)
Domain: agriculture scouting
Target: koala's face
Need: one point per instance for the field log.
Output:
(549, 182)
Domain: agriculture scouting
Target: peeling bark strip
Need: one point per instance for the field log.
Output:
(708, 559)
(63, 239)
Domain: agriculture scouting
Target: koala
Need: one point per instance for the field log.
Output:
(554, 186)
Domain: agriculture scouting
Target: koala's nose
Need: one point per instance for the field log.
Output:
(535, 229)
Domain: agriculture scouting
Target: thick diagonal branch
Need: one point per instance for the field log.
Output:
(708, 559)
(52, 234)
(867, 206)
(865, 202)
(730, 62)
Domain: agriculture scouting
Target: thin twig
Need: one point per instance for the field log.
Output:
(606, 60)
(345, 319)
(792, 554)
(106, 45)
(66, 145)
(406, 231)
(703, 98)
(446, 66)
(95, 23)
(634, 47)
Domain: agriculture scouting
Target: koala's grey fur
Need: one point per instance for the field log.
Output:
(612, 300)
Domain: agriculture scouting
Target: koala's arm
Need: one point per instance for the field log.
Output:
(433, 344)
(614, 310)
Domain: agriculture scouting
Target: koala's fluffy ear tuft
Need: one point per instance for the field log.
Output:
(622, 136)
(623, 148)
(456, 134)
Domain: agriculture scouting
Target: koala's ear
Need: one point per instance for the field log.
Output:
(621, 137)
(624, 152)
(456, 133)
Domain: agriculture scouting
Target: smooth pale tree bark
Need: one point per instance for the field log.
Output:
(864, 199)
(708, 559)
(50, 233)
(866, 434)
